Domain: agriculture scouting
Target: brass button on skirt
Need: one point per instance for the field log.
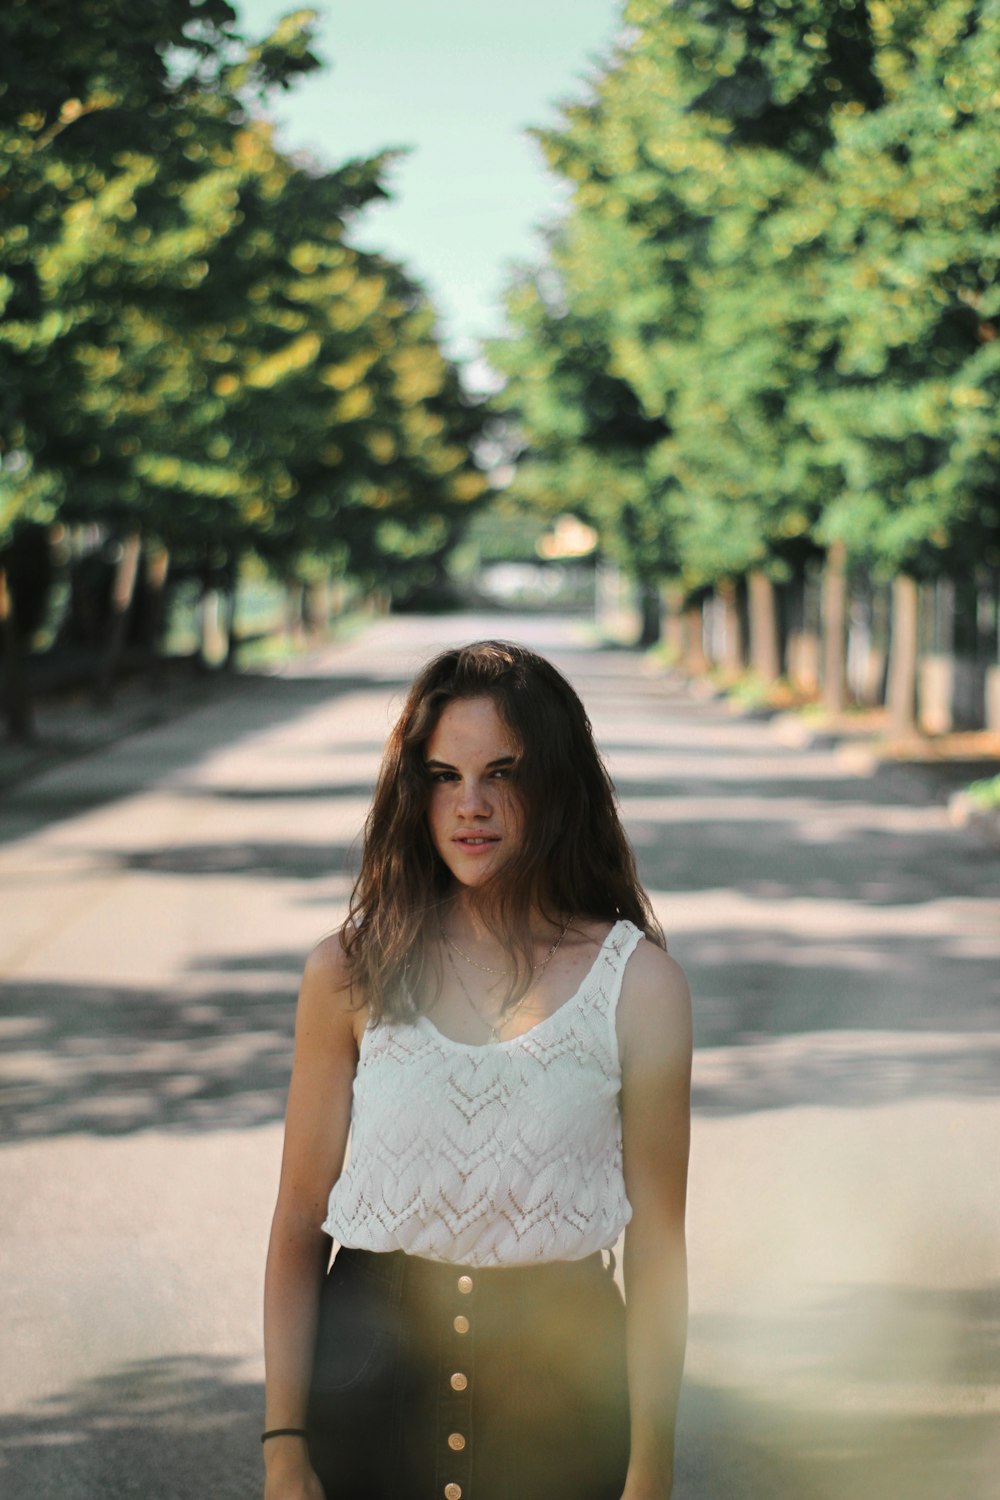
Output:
(529, 1401)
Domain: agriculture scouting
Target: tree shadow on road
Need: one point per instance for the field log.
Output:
(885, 788)
(768, 981)
(785, 1019)
(215, 1053)
(780, 858)
(260, 859)
(92, 776)
(735, 1446)
(107, 1060)
(876, 1395)
(833, 1073)
(170, 1429)
(318, 791)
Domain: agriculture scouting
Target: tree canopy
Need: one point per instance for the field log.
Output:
(191, 348)
(766, 322)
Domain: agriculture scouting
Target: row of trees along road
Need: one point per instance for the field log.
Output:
(195, 362)
(763, 342)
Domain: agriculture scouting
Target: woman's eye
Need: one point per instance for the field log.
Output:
(437, 777)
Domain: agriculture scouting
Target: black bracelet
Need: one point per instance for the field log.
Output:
(283, 1432)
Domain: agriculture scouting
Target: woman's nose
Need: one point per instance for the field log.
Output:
(473, 801)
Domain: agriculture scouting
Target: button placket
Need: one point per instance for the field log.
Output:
(454, 1432)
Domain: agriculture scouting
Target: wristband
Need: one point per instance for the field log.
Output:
(283, 1432)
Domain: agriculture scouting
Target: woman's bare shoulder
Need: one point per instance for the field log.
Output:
(327, 963)
(327, 996)
(652, 965)
(654, 1013)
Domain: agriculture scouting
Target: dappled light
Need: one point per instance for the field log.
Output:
(840, 938)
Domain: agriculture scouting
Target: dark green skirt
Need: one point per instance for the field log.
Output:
(441, 1382)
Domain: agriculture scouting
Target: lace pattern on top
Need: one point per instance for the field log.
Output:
(503, 1154)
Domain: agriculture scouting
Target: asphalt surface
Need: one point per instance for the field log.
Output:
(842, 942)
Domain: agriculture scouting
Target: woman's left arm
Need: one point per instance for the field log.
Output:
(654, 1028)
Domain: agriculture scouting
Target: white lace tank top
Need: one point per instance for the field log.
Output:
(504, 1154)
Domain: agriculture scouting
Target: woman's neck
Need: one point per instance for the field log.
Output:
(475, 921)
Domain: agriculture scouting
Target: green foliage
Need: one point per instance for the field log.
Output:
(910, 422)
(190, 345)
(985, 794)
(780, 257)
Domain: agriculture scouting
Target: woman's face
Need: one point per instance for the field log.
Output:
(473, 811)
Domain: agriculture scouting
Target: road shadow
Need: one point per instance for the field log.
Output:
(214, 1052)
(784, 1019)
(884, 788)
(876, 1070)
(110, 1060)
(789, 857)
(876, 1395)
(875, 1337)
(91, 777)
(772, 982)
(318, 791)
(168, 1429)
(261, 860)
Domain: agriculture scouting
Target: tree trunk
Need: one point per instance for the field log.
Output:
(157, 568)
(901, 696)
(835, 629)
(650, 621)
(293, 610)
(673, 633)
(318, 608)
(229, 626)
(732, 644)
(765, 658)
(695, 661)
(122, 595)
(17, 693)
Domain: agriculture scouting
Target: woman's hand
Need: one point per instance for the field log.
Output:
(288, 1474)
(638, 1489)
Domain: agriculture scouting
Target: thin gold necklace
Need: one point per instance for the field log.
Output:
(495, 1027)
(485, 968)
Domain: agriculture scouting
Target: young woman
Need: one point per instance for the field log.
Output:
(499, 1026)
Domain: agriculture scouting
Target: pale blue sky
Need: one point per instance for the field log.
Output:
(458, 80)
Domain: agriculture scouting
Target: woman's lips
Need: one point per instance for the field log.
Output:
(475, 843)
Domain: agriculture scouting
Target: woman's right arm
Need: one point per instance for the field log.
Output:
(327, 1031)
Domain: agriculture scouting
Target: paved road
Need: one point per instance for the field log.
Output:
(842, 943)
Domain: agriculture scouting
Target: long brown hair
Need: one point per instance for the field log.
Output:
(574, 857)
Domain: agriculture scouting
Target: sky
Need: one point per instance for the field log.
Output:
(459, 81)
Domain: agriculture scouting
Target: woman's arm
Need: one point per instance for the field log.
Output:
(654, 1024)
(316, 1127)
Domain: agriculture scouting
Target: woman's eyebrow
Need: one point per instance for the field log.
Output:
(491, 765)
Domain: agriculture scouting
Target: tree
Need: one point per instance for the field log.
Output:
(194, 356)
(586, 437)
(781, 245)
(104, 225)
(686, 148)
(908, 418)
